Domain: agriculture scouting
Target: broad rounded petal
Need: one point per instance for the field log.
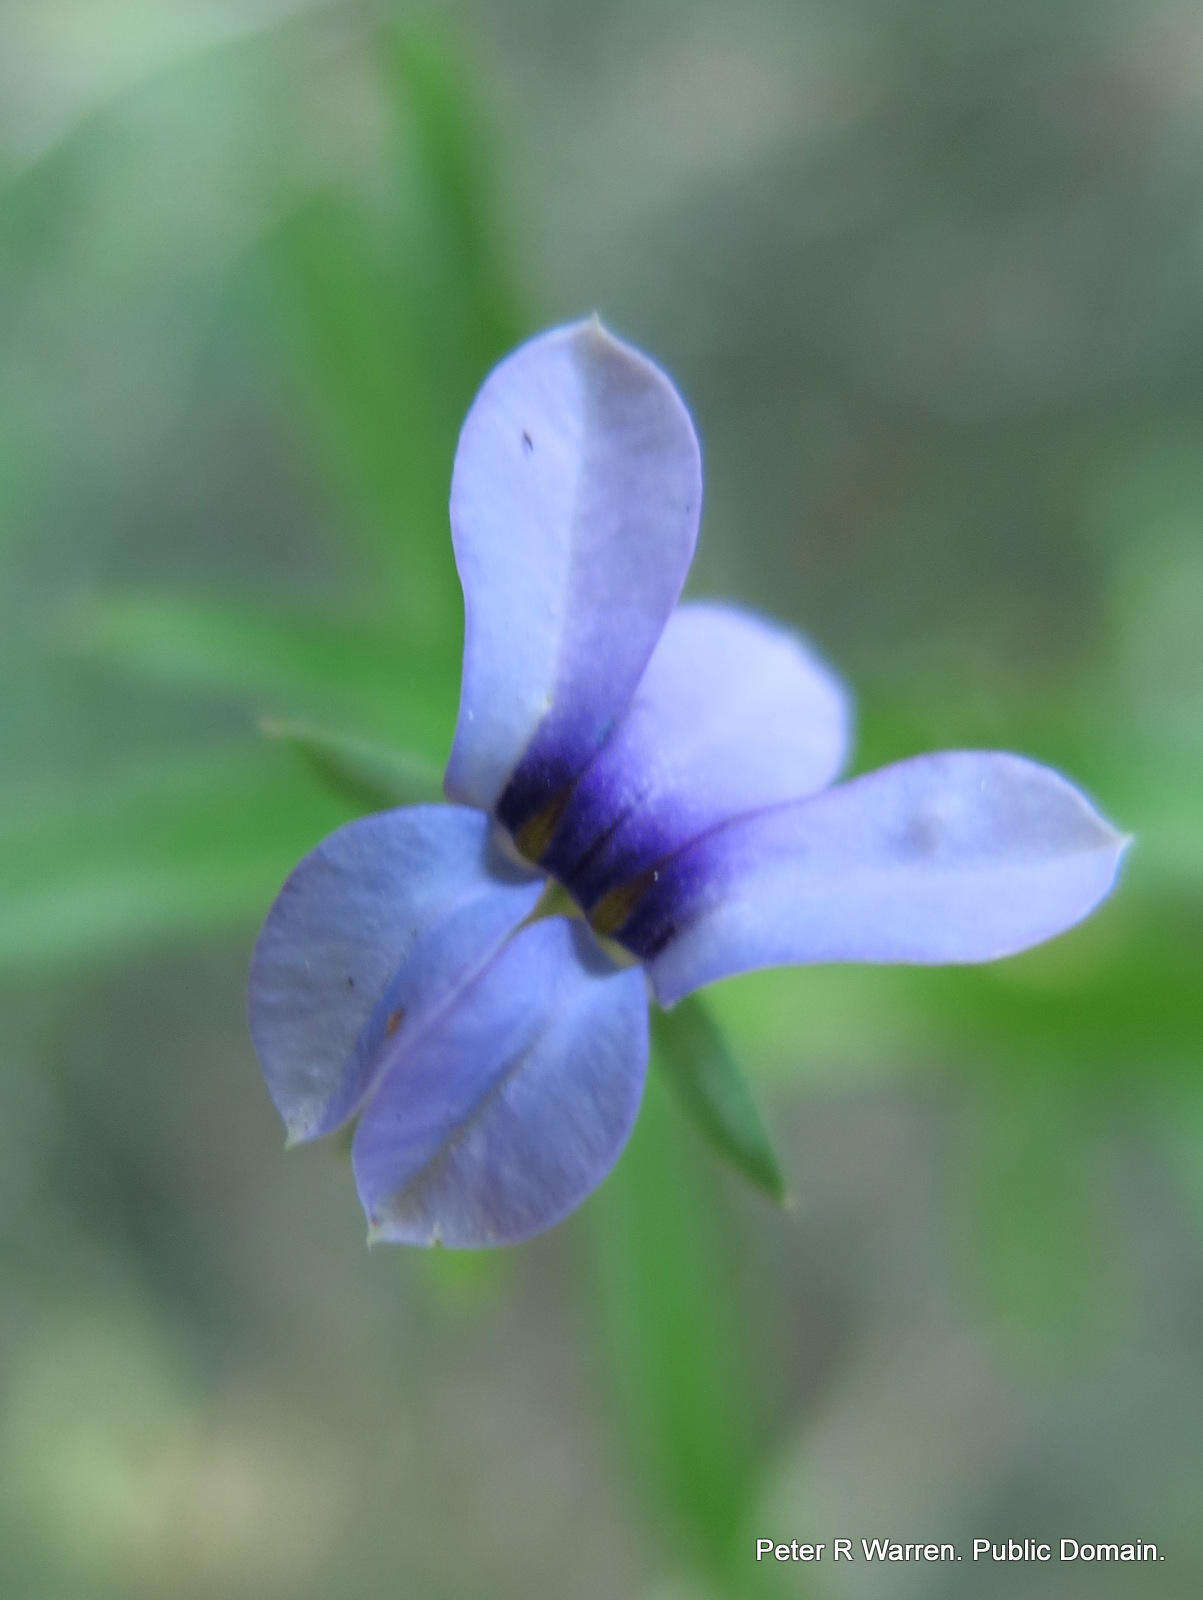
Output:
(372, 930)
(514, 1104)
(574, 512)
(733, 714)
(956, 857)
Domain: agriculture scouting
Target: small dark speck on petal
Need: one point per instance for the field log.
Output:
(350, 983)
(528, 444)
(394, 1021)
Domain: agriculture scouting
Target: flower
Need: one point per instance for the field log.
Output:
(668, 766)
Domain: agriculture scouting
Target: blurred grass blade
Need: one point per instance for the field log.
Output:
(444, 159)
(175, 849)
(369, 776)
(694, 1057)
(284, 659)
(387, 305)
(349, 329)
(666, 1276)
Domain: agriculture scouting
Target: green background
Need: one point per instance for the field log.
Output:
(930, 277)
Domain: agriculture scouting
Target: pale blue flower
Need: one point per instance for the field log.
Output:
(669, 767)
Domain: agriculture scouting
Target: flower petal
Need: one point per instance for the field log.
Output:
(372, 930)
(514, 1104)
(955, 857)
(732, 714)
(574, 512)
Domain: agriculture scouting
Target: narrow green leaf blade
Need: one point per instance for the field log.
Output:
(675, 1343)
(287, 660)
(175, 848)
(345, 323)
(694, 1057)
(370, 776)
(446, 140)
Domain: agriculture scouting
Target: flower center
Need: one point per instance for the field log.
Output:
(535, 834)
(607, 915)
(615, 908)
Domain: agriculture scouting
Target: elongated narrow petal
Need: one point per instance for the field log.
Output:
(373, 930)
(956, 857)
(514, 1104)
(732, 714)
(574, 512)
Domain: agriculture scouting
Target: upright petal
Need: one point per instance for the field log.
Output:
(514, 1104)
(373, 930)
(574, 513)
(732, 714)
(956, 857)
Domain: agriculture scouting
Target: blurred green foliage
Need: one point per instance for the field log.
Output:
(929, 277)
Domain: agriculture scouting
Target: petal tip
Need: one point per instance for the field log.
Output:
(591, 329)
(575, 499)
(297, 1130)
(1114, 843)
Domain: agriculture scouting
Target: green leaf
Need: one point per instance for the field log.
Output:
(445, 146)
(177, 848)
(673, 1338)
(384, 306)
(694, 1057)
(371, 777)
(289, 660)
(347, 325)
